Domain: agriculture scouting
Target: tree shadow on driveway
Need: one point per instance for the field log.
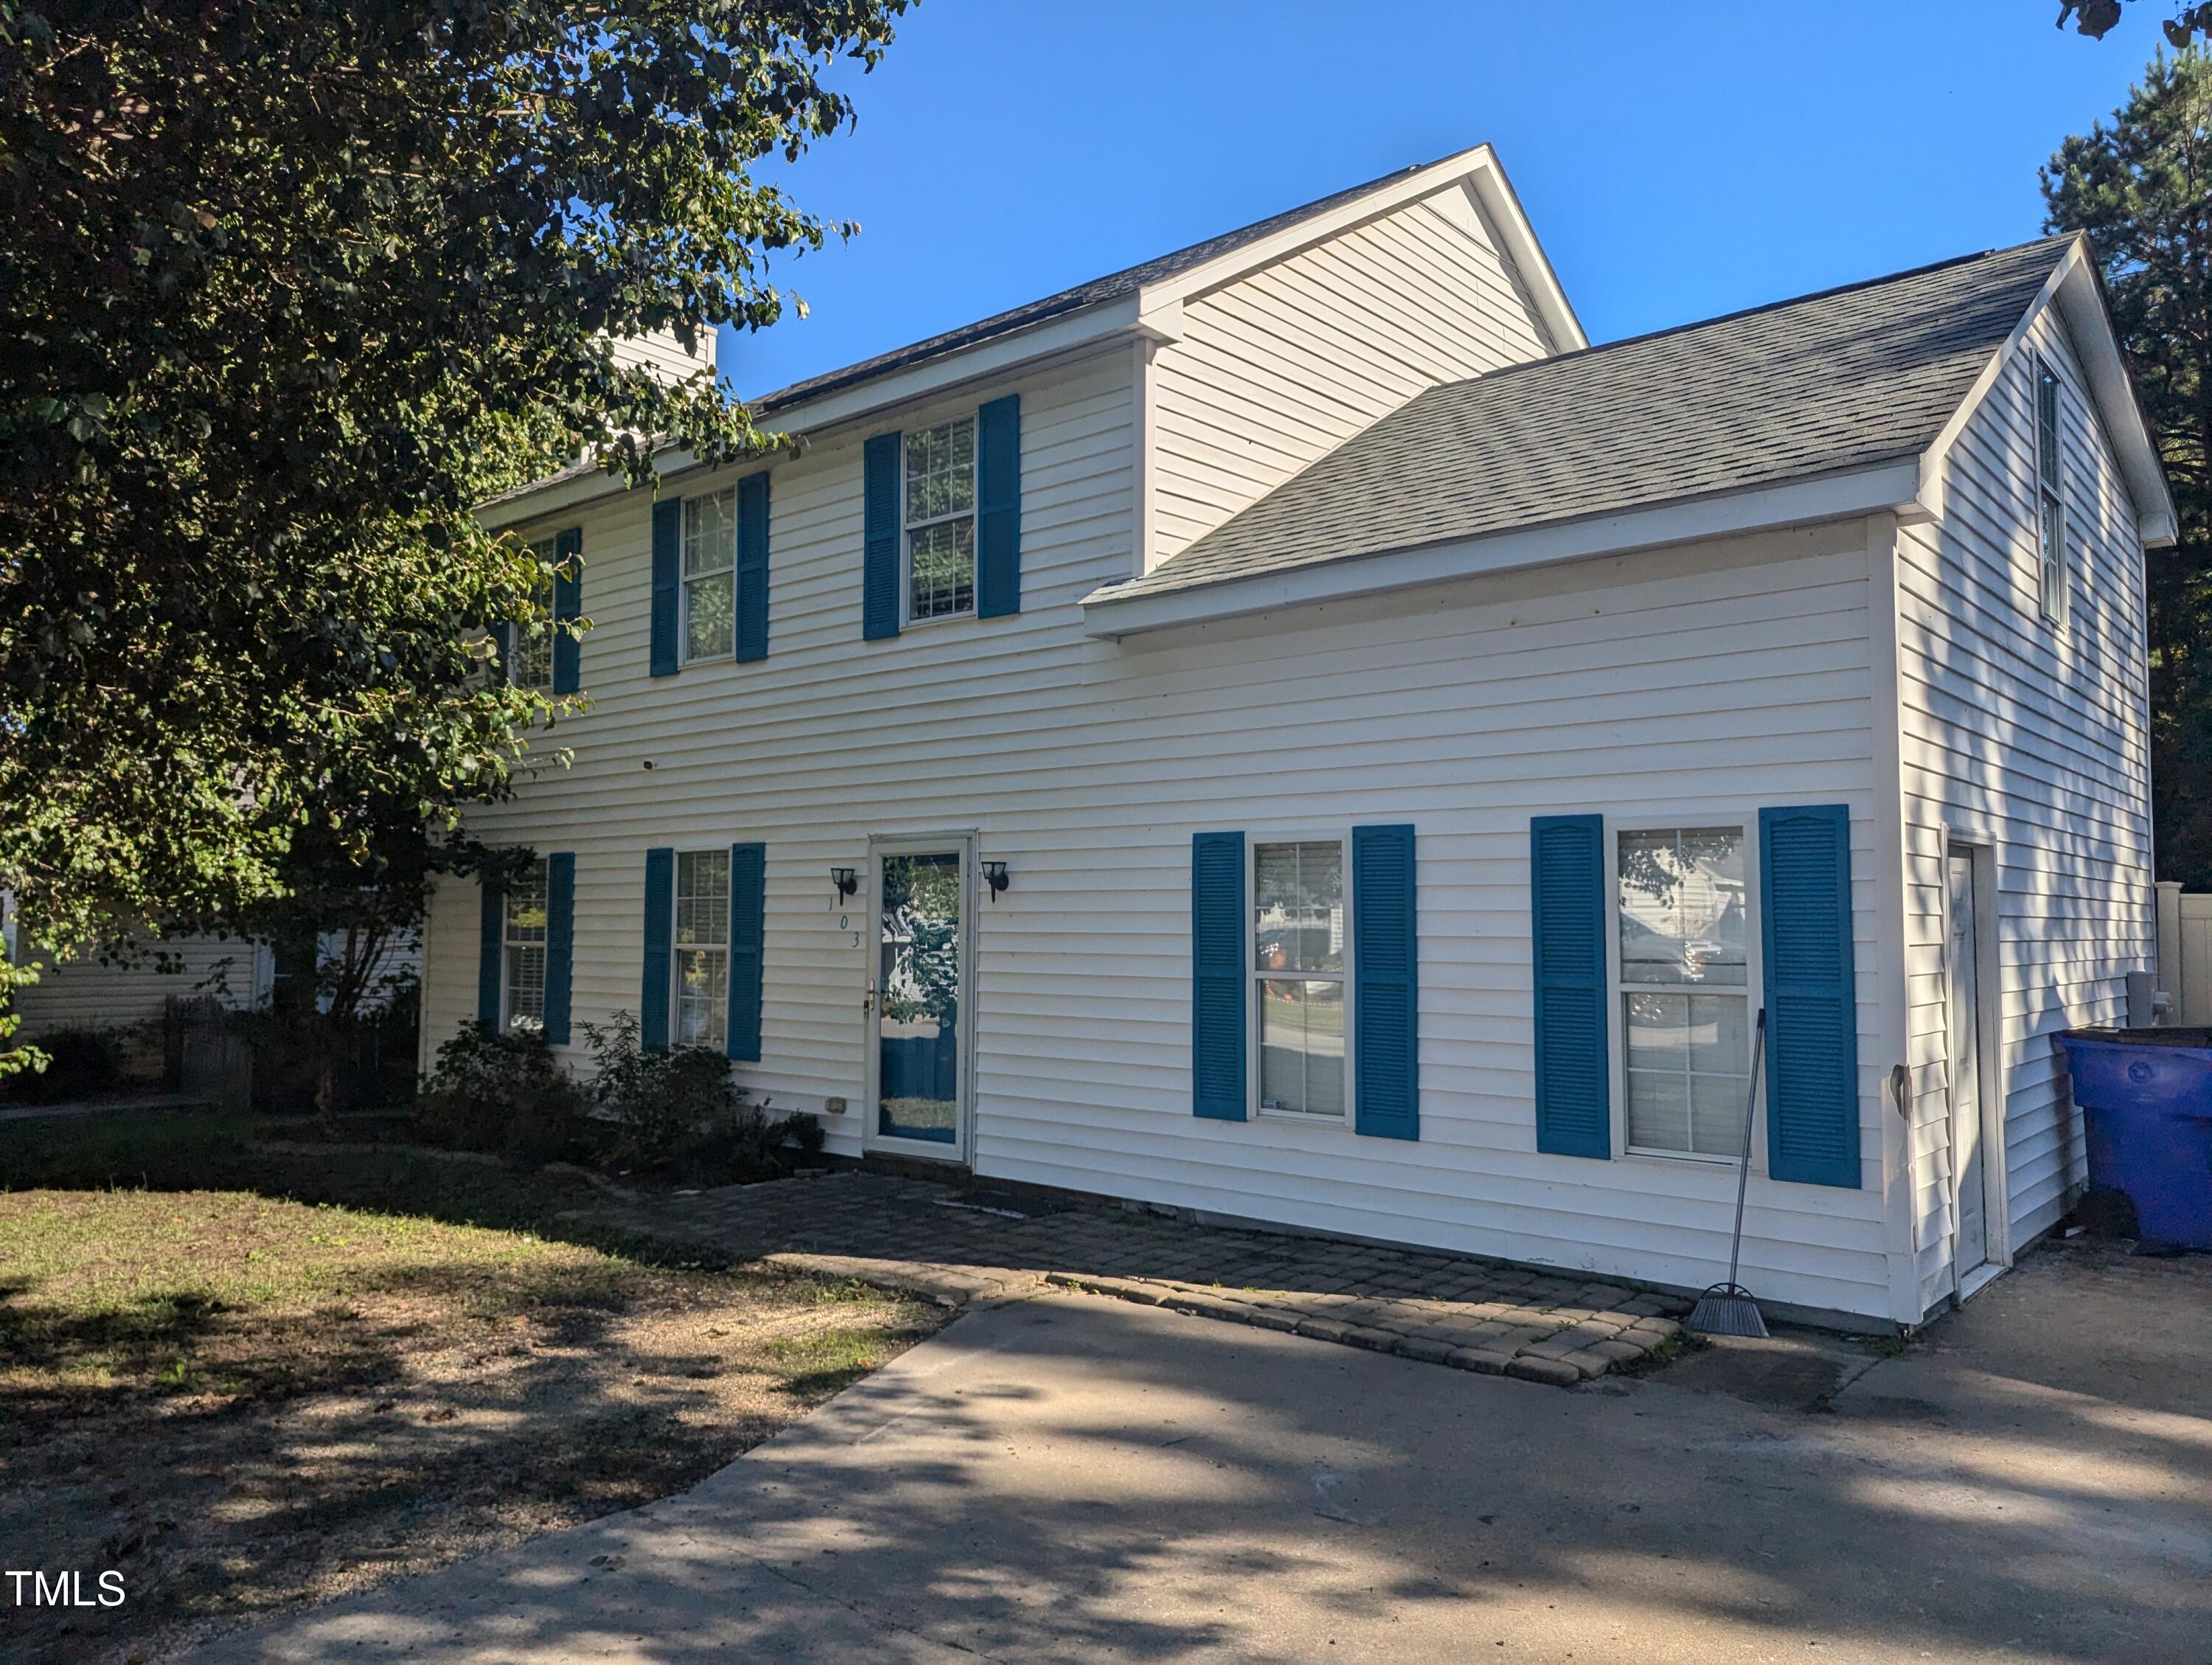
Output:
(1073, 1478)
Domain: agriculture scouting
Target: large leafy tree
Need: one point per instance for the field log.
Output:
(289, 287)
(2141, 188)
(2183, 24)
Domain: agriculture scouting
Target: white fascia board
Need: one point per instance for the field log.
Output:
(1070, 333)
(2081, 302)
(2073, 289)
(1502, 205)
(1889, 487)
(558, 495)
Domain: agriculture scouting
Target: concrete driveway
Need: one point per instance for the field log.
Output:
(1068, 1477)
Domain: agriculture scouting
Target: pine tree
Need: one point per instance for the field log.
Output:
(2141, 186)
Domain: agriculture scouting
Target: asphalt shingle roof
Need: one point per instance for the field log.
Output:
(1115, 286)
(1846, 379)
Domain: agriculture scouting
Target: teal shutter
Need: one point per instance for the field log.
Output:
(567, 607)
(748, 904)
(752, 569)
(659, 950)
(1574, 1083)
(1385, 984)
(879, 560)
(1220, 987)
(667, 555)
(491, 952)
(998, 507)
(560, 944)
(502, 651)
(1812, 1003)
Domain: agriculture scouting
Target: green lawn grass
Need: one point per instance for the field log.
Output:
(249, 1379)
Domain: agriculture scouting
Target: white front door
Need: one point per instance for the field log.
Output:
(920, 1020)
(1970, 1161)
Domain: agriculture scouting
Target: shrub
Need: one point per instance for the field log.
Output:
(82, 1061)
(503, 1093)
(744, 1144)
(659, 1106)
(733, 1145)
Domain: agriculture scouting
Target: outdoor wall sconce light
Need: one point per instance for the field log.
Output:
(994, 875)
(846, 879)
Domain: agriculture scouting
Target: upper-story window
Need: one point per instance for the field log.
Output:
(940, 519)
(710, 578)
(532, 664)
(2053, 580)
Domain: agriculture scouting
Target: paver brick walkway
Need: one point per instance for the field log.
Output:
(956, 1246)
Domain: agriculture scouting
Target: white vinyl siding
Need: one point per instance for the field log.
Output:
(665, 357)
(83, 992)
(2034, 744)
(1668, 684)
(1282, 365)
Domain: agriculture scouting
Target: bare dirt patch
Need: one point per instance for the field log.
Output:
(244, 1404)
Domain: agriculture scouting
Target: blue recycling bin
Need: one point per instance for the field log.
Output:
(2146, 1099)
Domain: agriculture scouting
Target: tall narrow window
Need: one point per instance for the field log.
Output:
(1685, 989)
(702, 947)
(532, 666)
(2052, 578)
(940, 519)
(710, 581)
(523, 944)
(1297, 968)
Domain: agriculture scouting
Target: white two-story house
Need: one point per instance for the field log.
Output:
(1292, 732)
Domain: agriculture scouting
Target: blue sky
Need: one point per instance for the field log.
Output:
(1006, 149)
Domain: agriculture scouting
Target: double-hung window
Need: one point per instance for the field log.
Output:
(522, 998)
(532, 665)
(2051, 576)
(702, 947)
(940, 520)
(1299, 943)
(1683, 911)
(710, 575)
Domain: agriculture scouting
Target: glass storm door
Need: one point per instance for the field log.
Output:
(920, 990)
(1973, 1248)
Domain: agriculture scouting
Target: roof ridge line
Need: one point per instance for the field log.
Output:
(1661, 333)
(1076, 297)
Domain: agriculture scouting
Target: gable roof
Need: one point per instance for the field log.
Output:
(1847, 378)
(1143, 300)
(1135, 280)
(1115, 286)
